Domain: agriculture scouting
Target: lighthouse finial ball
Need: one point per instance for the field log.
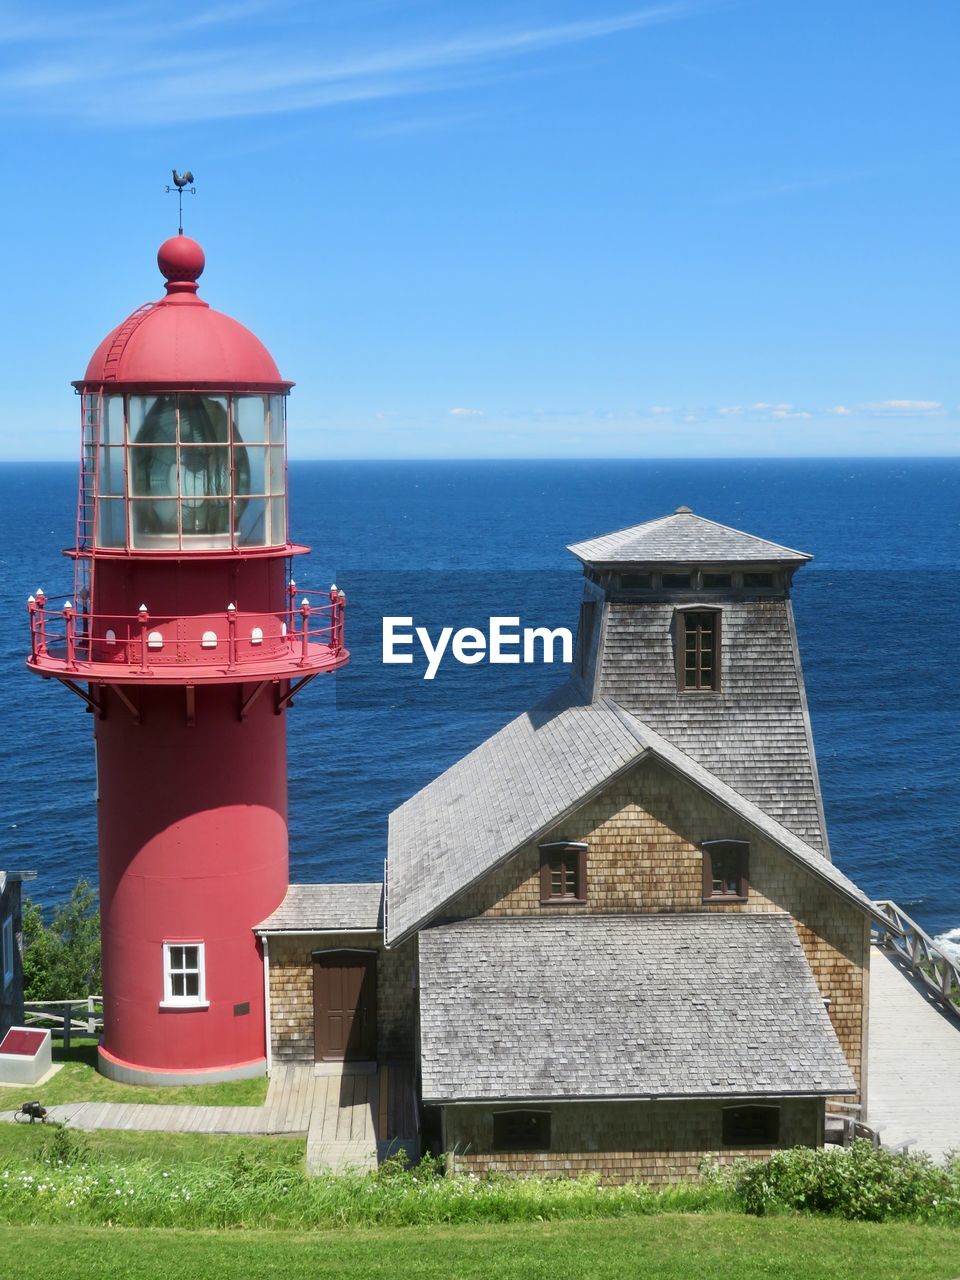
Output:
(180, 260)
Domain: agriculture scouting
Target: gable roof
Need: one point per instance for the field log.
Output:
(520, 783)
(327, 908)
(641, 1006)
(683, 538)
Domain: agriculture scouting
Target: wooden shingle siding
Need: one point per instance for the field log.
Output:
(643, 835)
(654, 1142)
(752, 733)
(291, 994)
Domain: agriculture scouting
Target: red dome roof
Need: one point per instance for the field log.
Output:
(180, 341)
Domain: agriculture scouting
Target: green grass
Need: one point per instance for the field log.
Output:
(22, 1145)
(79, 1081)
(676, 1247)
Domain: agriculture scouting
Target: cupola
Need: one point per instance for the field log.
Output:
(184, 435)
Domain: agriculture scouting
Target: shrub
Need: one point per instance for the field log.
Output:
(862, 1183)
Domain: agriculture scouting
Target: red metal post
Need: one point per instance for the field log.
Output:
(41, 623)
(68, 626)
(304, 630)
(144, 619)
(231, 636)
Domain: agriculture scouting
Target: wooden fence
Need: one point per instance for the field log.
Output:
(928, 964)
(66, 1018)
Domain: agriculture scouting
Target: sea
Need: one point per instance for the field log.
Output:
(453, 543)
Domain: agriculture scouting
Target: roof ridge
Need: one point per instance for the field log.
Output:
(781, 835)
(612, 533)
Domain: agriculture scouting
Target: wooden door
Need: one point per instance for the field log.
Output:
(345, 1006)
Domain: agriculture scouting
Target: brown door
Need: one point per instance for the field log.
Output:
(345, 1006)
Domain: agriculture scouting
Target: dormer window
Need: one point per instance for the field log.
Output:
(674, 580)
(563, 872)
(725, 870)
(717, 581)
(698, 650)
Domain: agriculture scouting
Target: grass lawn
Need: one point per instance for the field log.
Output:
(22, 1143)
(79, 1081)
(671, 1247)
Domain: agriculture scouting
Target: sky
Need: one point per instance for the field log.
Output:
(516, 228)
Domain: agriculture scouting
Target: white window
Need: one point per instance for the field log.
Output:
(183, 974)
(7, 947)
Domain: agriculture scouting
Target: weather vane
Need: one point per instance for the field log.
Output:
(182, 181)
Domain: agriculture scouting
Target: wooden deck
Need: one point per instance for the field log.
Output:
(349, 1118)
(913, 1076)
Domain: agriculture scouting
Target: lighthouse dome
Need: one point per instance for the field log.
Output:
(180, 341)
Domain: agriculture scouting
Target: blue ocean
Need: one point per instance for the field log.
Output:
(451, 543)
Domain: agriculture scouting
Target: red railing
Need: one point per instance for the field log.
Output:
(77, 639)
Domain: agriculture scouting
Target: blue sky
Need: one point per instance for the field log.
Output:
(509, 229)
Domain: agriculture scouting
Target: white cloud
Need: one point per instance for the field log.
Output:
(730, 409)
(841, 411)
(906, 406)
(265, 67)
(465, 413)
(661, 408)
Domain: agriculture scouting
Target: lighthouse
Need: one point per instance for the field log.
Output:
(187, 637)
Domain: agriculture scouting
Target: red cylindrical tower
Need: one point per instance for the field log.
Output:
(187, 637)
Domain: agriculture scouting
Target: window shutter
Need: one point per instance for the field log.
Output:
(544, 876)
(707, 874)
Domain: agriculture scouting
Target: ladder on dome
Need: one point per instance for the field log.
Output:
(121, 338)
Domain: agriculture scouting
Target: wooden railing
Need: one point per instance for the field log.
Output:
(928, 964)
(66, 1018)
(846, 1119)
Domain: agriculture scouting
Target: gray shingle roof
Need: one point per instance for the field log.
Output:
(688, 1005)
(326, 907)
(520, 783)
(683, 538)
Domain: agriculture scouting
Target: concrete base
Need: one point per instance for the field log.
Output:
(35, 1084)
(130, 1073)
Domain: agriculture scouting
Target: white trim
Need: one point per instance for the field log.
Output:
(171, 1001)
(266, 1002)
(312, 933)
(7, 947)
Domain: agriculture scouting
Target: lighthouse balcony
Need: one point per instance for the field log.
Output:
(229, 646)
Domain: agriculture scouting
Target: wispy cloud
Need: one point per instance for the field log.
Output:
(465, 413)
(905, 406)
(272, 66)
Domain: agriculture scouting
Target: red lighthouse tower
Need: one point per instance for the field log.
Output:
(187, 637)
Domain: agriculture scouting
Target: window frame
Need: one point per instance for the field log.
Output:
(742, 848)
(8, 947)
(730, 1109)
(172, 1001)
(680, 647)
(575, 849)
(544, 1119)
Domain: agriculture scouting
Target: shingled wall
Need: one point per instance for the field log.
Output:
(291, 994)
(754, 733)
(643, 835)
(654, 1142)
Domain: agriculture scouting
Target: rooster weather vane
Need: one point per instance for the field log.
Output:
(182, 181)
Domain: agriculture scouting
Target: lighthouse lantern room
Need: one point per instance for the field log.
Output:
(187, 636)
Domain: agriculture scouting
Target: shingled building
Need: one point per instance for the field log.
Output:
(612, 937)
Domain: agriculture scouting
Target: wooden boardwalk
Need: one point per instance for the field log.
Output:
(348, 1117)
(913, 1076)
